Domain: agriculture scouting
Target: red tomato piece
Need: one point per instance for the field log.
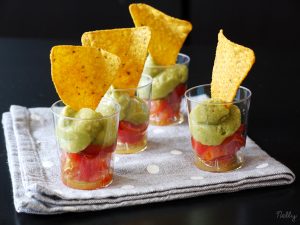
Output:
(75, 157)
(158, 105)
(124, 125)
(92, 168)
(167, 114)
(131, 133)
(165, 110)
(228, 147)
(91, 151)
(161, 109)
(177, 94)
(180, 90)
(89, 165)
(95, 150)
(129, 136)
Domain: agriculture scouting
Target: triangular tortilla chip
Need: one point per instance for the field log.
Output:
(167, 33)
(130, 44)
(231, 66)
(82, 75)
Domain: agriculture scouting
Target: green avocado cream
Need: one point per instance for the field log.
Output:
(133, 109)
(212, 122)
(84, 127)
(165, 78)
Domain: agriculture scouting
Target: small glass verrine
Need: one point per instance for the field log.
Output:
(168, 87)
(218, 129)
(86, 142)
(134, 115)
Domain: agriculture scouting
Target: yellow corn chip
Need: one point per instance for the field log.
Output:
(130, 44)
(82, 75)
(167, 33)
(231, 66)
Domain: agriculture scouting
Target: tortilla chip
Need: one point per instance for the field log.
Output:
(130, 44)
(168, 33)
(82, 75)
(231, 66)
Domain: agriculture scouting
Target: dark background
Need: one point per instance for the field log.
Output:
(29, 28)
(250, 22)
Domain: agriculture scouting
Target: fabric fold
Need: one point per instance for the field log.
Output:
(37, 189)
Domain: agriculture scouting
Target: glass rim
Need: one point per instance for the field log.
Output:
(137, 88)
(168, 66)
(223, 103)
(79, 119)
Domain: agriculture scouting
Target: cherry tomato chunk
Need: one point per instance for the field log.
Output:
(131, 133)
(166, 109)
(88, 169)
(228, 147)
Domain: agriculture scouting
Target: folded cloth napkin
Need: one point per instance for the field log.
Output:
(165, 171)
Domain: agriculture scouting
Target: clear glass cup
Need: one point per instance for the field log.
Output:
(86, 145)
(134, 116)
(218, 129)
(168, 87)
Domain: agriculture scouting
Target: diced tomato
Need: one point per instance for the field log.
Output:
(91, 168)
(227, 148)
(91, 151)
(129, 137)
(158, 106)
(95, 150)
(131, 133)
(177, 94)
(75, 157)
(180, 89)
(89, 165)
(163, 111)
(166, 110)
(124, 125)
(199, 148)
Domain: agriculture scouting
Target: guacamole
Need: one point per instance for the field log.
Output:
(133, 109)
(85, 127)
(212, 122)
(165, 78)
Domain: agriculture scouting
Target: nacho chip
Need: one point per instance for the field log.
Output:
(231, 66)
(82, 75)
(130, 44)
(167, 33)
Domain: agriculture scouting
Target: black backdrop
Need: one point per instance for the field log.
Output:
(255, 22)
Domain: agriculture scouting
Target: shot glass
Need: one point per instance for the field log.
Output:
(168, 87)
(218, 130)
(86, 145)
(134, 116)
